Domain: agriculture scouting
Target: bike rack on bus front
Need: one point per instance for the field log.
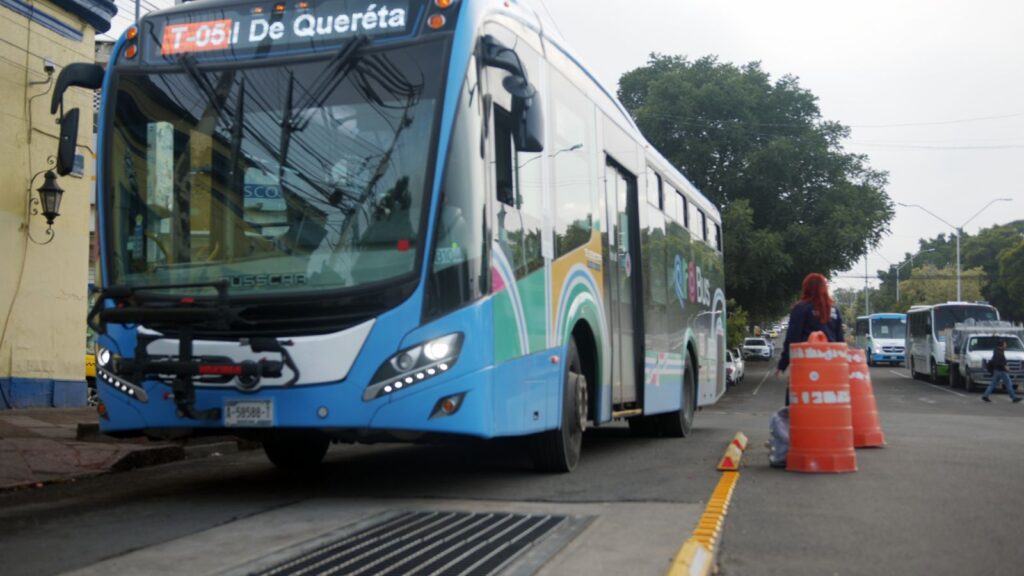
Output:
(141, 307)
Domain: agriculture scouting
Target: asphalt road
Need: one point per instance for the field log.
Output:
(941, 498)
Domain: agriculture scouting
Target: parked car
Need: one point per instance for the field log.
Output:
(738, 353)
(757, 348)
(734, 367)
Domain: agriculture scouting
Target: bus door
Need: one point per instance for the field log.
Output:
(622, 286)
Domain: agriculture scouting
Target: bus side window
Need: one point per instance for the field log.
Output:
(459, 274)
(685, 220)
(654, 189)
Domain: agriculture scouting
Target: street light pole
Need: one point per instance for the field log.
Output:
(959, 232)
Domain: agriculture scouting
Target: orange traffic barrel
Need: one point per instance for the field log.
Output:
(867, 432)
(820, 418)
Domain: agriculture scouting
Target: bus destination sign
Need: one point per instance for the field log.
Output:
(242, 30)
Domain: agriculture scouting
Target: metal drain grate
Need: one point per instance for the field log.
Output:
(446, 543)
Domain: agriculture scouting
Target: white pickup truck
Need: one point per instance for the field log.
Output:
(969, 347)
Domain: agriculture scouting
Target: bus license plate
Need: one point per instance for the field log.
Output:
(249, 413)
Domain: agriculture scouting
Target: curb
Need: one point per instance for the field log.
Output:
(697, 555)
(148, 457)
(211, 449)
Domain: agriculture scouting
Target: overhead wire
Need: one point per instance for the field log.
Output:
(746, 127)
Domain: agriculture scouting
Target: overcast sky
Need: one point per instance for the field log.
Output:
(933, 89)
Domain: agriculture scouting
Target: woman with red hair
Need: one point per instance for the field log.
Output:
(815, 312)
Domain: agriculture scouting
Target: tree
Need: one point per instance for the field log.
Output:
(986, 250)
(983, 251)
(1011, 271)
(735, 324)
(931, 285)
(793, 201)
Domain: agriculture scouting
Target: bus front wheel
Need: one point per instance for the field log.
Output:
(559, 450)
(295, 449)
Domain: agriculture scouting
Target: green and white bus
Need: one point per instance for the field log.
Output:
(926, 346)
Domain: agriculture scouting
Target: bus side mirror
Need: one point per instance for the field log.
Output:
(68, 142)
(79, 74)
(527, 115)
(89, 76)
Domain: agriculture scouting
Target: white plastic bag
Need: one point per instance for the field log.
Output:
(778, 444)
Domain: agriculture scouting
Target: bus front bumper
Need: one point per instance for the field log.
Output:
(483, 403)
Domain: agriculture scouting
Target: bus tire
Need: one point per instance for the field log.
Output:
(295, 449)
(679, 423)
(559, 450)
(933, 372)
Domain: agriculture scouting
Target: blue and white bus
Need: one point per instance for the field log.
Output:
(361, 221)
(883, 337)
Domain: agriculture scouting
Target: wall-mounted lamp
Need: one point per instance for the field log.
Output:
(47, 203)
(50, 194)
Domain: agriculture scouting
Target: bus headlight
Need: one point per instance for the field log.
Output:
(414, 365)
(102, 357)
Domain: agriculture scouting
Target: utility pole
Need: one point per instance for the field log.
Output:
(867, 301)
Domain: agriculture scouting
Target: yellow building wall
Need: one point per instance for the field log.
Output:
(43, 289)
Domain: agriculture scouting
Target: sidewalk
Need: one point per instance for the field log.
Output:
(43, 445)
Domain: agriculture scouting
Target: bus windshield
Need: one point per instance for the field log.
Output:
(947, 316)
(278, 178)
(889, 328)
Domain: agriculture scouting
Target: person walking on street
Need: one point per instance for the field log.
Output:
(998, 367)
(815, 312)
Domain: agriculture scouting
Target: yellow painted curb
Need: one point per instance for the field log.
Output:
(733, 453)
(693, 560)
(697, 554)
(740, 441)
